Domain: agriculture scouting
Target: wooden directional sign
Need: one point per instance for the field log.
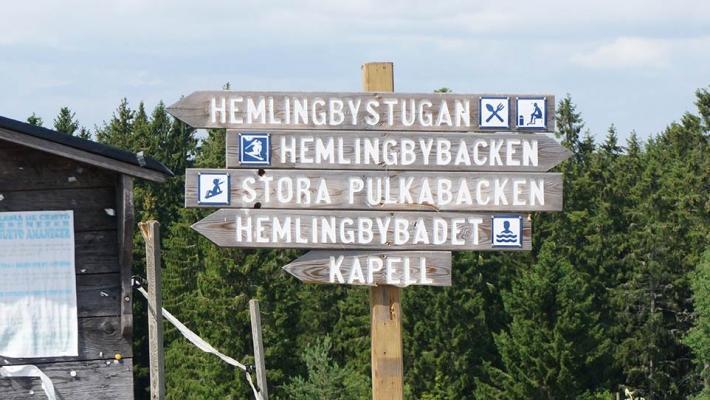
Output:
(365, 111)
(373, 190)
(431, 151)
(372, 268)
(373, 230)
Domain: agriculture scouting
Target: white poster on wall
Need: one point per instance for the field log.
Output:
(38, 314)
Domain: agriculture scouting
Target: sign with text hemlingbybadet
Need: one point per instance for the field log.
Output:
(385, 184)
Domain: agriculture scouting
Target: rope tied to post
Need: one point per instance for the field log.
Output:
(139, 282)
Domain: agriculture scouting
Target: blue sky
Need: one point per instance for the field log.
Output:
(633, 63)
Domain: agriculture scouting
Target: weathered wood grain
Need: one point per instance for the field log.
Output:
(220, 227)
(259, 360)
(150, 231)
(23, 168)
(385, 308)
(99, 339)
(387, 192)
(549, 152)
(95, 252)
(80, 155)
(195, 110)
(315, 267)
(92, 207)
(98, 295)
(124, 236)
(94, 380)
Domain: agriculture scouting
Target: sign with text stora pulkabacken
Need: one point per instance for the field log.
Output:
(373, 190)
(386, 185)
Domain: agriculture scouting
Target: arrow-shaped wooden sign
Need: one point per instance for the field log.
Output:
(365, 111)
(395, 151)
(374, 190)
(366, 230)
(372, 268)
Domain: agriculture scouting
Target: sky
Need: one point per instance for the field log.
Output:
(633, 63)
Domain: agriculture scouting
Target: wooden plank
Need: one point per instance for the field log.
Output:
(93, 380)
(151, 234)
(98, 295)
(255, 317)
(99, 339)
(95, 252)
(373, 268)
(23, 168)
(385, 310)
(382, 190)
(334, 110)
(81, 155)
(350, 230)
(124, 205)
(94, 209)
(406, 151)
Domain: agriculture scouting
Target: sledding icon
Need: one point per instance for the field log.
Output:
(216, 189)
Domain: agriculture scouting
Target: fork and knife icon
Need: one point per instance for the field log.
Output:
(494, 112)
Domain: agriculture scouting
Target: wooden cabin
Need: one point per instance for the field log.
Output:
(41, 169)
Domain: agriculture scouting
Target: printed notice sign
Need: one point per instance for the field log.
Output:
(38, 314)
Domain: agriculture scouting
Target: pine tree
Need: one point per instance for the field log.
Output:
(554, 335)
(66, 122)
(326, 379)
(84, 134)
(698, 338)
(35, 120)
(119, 130)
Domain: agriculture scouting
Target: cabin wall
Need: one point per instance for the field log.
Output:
(31, 180)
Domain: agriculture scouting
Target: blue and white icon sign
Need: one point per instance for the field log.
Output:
(531, 113)
(254, 149)
(213, 189)
(494, 112)
(507, 231)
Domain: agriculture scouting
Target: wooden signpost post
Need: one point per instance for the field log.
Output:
(384, 184)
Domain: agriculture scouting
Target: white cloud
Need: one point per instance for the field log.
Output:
(626, 52)
(638, 52)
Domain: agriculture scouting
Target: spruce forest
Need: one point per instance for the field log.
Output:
(615, 295)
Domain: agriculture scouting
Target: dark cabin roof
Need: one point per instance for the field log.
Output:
(87, 146)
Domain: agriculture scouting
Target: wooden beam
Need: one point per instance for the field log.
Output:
(124, 205)
(81, 155)
(385, 309)
(151, 234)
(255, 315)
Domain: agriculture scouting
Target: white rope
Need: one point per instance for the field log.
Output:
(29, 371)
(204, 346)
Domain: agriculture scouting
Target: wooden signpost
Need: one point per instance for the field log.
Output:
(385, 184)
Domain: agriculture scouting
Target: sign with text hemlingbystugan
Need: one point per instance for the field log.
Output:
(388, 183)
